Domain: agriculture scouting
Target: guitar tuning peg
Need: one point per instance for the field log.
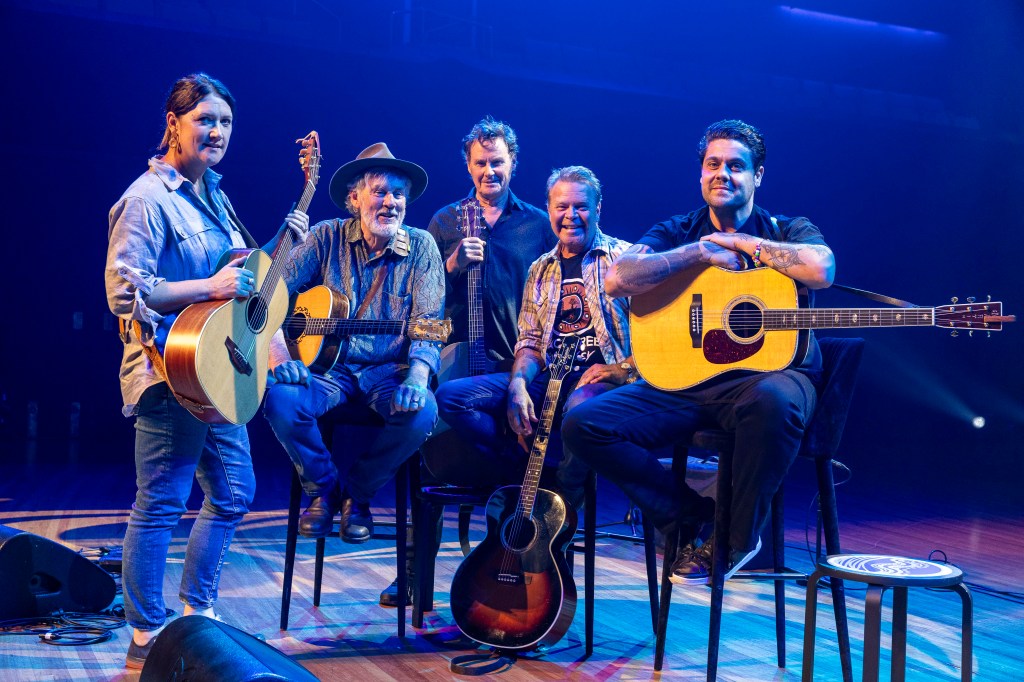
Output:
(971, 299)
(954, 333)
(970, 333)
(954, 299)
(989, 297)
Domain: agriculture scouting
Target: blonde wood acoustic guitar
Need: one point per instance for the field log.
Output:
(217, 352)
(319, 325)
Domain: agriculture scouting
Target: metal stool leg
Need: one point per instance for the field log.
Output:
(318, 572)
(401, 512)
(671, 545)
(651, 560)
(810, 626)
(967, 633)
(291, 539)
(589, 552)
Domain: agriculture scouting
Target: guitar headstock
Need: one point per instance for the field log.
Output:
(974, 316)
(430, 330)
(309, 157)
(561, 364)
(471, 217)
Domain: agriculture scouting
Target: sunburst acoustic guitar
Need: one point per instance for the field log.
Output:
(698, 324)
(514, 591)
(217, 352)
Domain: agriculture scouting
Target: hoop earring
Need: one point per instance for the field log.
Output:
(174, 144)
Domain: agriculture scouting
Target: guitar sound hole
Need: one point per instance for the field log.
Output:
(518, 533)
(295, 327)
(255, 314)
(745, 320)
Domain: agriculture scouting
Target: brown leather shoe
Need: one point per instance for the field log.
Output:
(318, 519)
(356, 521)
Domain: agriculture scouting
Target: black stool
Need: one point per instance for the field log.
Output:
(880, 573)
(402, 476)
(840, 361)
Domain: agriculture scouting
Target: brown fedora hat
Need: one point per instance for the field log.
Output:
(376, 156)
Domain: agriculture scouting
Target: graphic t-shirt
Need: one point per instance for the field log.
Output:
(574, 322)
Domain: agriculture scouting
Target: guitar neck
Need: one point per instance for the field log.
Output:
(475, 332)
(540, 447)
(843, 318)
(284, 246)
(324, 326)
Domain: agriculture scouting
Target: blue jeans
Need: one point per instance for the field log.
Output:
(172, 447)
(293, 410)
(617, 434)
(475, 408)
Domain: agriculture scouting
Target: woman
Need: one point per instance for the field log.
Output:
(167, 232)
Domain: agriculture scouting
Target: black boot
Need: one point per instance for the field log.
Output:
(318, 519)
(389, 596)
(356, 521)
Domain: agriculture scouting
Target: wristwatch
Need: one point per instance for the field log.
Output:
(630, 372)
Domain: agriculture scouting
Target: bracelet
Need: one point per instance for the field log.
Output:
(756, 256)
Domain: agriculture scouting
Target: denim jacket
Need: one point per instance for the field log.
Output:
(161, 230)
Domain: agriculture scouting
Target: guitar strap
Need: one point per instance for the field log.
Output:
(378, 280)
(249, 241)
(878, 298)
(482, 663)
(125, 329)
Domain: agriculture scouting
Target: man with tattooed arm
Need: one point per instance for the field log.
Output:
(618, 433)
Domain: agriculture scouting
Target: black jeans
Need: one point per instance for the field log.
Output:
(618, 432)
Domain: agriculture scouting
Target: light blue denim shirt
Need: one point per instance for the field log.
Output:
(160, 230)
(542, 296)
(335, 254)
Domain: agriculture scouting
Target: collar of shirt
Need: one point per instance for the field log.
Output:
(172, 179)
(398, 245)
(512, 203)
(601, 243)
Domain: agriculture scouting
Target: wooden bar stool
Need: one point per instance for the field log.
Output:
(880, 573)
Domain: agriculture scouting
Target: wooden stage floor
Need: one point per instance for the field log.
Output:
(84, 505)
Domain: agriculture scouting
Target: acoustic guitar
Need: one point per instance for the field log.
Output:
(514, 591)
(217, 352)
(319, 325)
(699, 324)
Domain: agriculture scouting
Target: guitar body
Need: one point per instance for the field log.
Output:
(514, 591)
(318, 352)
(699, 324)
(217, 352)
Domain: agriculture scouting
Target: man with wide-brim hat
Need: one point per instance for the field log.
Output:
(387, 271)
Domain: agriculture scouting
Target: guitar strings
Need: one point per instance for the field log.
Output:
(272, 277)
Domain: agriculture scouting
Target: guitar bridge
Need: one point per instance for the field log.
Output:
(237, 358)
(696, 320)
(514, 579)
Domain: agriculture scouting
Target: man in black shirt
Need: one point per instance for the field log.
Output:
(485, 270)
(618, 432)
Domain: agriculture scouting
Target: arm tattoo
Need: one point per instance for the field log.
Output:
(650, 270)
(784, 256)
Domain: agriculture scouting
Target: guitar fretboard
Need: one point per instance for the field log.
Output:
(323, 326)
(830, 318)
(471, 219)
(540, 447)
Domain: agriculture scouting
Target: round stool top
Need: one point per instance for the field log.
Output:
(880, 569)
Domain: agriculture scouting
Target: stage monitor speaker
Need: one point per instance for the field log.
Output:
(200, 649)
(39, 576)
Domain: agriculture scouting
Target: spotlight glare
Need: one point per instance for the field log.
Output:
(978, 422)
